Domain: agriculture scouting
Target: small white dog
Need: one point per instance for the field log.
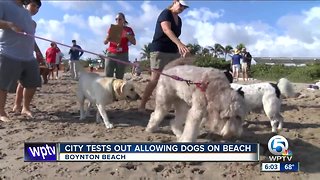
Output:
(219, 104)
(267, 96)
(101, 91)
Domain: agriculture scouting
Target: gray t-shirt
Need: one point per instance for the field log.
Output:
(12, 44)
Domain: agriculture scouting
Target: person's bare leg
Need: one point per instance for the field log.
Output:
(57, 73)
(3, 99)
(27, 97)
(246, 75)
(237, 74)
(149, 89)
(243, 74)
(52, 74)
(18, 101)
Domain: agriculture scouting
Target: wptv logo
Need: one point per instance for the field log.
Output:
(279, 146)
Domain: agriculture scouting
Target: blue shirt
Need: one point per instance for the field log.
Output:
(16, 46)
(75, 54)
(161, 42)
(236, 59)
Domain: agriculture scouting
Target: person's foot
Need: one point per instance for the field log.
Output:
(27, 113)
(17, 109)
(4, 117)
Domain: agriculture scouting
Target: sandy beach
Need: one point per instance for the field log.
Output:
(57, 120)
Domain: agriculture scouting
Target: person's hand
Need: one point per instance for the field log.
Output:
(128, 36)
(106, 41)
(183, 49)
(14, 28)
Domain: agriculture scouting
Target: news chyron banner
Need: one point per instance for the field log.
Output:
(59, 152)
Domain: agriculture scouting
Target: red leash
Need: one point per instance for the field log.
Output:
(201, 85)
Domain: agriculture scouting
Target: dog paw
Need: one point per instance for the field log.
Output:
(109, 126)
(184, 140)
(151, 129)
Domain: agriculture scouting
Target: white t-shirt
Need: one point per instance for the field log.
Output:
(58, 57)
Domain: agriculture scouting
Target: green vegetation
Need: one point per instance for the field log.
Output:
(306, 74)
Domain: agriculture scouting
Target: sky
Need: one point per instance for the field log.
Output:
(267, 28)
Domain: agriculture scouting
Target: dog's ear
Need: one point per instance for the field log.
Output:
(239, 91)
(229, 76)
(122, 86)
(117, 86)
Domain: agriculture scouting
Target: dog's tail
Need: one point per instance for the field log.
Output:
(286, 88)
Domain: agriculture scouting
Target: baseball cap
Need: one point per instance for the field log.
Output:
(183, 3)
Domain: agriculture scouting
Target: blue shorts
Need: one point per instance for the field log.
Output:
(12, 71)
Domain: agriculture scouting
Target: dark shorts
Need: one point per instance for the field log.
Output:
(12, 71)
(51, 65)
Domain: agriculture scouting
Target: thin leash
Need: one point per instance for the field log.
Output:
(201, 85)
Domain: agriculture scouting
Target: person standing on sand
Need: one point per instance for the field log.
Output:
(74, 63)
(120, 50)
(33, 7)
(165, 45)
(51, 56)
(17, 62)
(59, 56)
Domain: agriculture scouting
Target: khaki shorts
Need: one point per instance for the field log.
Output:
(159, 59)
(11, 70)
(244, 67)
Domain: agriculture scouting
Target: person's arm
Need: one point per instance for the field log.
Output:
(131, 37)
(39, 55)
(47, 53)
(166, 27)
(9, 25)
(107, 39)
(81, 51)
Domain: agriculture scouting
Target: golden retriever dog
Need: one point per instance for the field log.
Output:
(102, 91)
(219, 103)
(44, 72)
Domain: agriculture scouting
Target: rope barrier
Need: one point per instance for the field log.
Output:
(201, 85)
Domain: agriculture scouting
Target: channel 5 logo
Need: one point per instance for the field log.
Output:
(279, 146)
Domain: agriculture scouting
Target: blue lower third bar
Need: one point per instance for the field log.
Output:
(289, 166)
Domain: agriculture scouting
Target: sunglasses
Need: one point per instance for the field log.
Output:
(119, 19)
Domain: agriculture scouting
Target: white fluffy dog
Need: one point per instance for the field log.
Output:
(102, 91)
(220, 104)
(267, 96)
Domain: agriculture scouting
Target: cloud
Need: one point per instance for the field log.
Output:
(148, 14)
(72, 5)
(204, 14)
(288, 39)
(51, 26)
(99, 25)
(76, 20)
(200, 25)
(125, 6)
